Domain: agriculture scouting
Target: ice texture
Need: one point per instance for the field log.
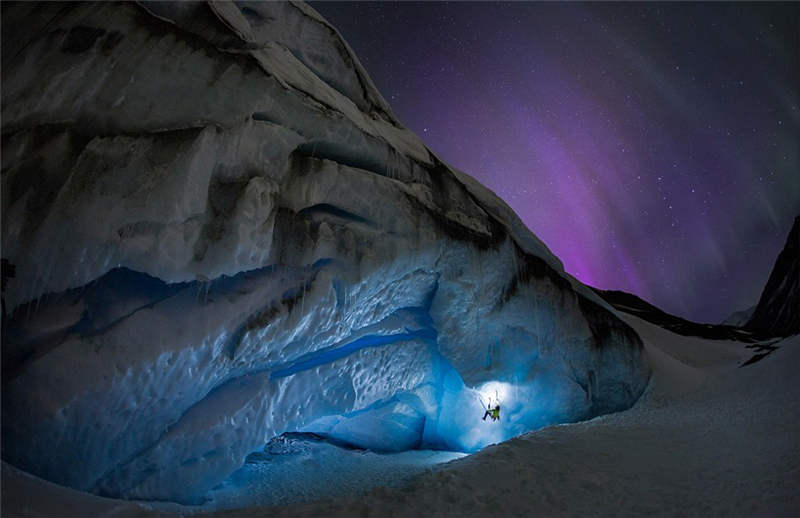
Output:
(222, 233)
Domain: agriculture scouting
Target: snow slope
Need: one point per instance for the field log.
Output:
(708, 438)
(221, 233)
(739, 318)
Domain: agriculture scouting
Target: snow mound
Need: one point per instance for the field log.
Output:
(222, 234)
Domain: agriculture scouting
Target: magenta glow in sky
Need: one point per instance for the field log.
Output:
(652, 146)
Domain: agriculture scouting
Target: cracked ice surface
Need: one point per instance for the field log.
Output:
(223, 234)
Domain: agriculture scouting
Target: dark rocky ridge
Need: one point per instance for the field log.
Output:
(778, 310)
(636, 306)
(775, 316)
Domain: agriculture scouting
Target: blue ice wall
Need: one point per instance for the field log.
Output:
(169, 419)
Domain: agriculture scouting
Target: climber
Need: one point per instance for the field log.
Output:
(493, 412)
(496, 411)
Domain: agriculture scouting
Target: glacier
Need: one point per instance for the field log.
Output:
(222, 233)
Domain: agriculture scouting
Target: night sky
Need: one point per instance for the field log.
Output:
(652, 146)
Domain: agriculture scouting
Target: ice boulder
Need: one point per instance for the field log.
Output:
(222, 233)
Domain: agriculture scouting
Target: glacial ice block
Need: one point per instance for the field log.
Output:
(222, 234)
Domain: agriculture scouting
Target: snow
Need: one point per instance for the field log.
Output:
(739, 318)
(29, 496)
(293, 478)
(709, 437)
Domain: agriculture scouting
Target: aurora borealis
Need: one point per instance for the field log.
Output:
(652, 146)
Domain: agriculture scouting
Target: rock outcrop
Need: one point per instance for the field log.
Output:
(778, 309)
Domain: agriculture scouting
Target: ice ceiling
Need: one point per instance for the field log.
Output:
(222, 234)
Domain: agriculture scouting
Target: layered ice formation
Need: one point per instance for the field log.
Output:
(222, 233)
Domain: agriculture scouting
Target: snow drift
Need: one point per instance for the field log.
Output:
(222, 233)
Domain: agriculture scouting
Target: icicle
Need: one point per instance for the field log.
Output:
(478, 290)
(202, 280)
(344, 308)
(536, 313)
(514, 260)
(303, 302)
(208, 287)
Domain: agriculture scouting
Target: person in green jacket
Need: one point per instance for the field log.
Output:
(492, 411)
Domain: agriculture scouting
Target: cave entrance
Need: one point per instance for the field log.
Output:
(303, 466)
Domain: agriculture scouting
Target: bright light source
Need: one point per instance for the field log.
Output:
(496, 390)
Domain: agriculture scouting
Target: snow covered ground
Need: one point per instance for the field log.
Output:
(295, 477)
(709, 437)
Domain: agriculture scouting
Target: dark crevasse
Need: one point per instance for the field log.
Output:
(319, 358)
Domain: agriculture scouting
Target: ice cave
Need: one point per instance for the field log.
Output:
(222, 234)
